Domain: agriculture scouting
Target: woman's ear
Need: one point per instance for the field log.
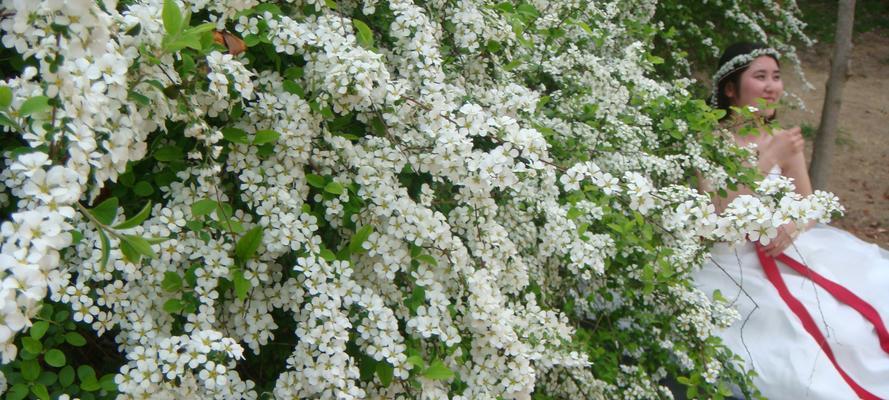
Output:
(730, 90)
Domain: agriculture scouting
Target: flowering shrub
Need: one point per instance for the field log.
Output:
(458, 199)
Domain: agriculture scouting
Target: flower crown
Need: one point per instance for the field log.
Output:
(737, 62)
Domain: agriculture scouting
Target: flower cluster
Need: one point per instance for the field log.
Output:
(376, 200)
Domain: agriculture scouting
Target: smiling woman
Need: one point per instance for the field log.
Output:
(762, 80)
(840, 353)
(747, 72)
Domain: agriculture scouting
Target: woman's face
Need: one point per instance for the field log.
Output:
(762, 80)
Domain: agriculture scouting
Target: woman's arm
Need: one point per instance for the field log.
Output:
(771, 151)
(794, 167)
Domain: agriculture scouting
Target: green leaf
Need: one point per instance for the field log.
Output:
(46, 311)
(107, 383)
(90, 386)
(86, 373)
(181, 42)
(573, 213)
(38, 329)
(385, 373)
(137, 219)
(48, 378)
(34, 105)
(438, 371)
(173, 306)
(265, 136)
(30, 370)
(40, 391)
(127, 178)
(172, 17)
(76, 237)
(105, 211)
(5, 96)
(294, 88)
(134, 247)
(334, 188)
(327, 112)
(66, 376)
(75, 339)
(143, 189)
(416, 361)
(364, 35)
(202, 28)
(187, 66)
(359, 238)
(61, 316)
(366, 367)
(513, 64)
(134, 31)
(106, 249)
(242, 285)
(294, 72)
(17, 392)
(428, 259)
(316, 181)
(527, 10)
(327, 255)
(55, 358)
(171, 282)
(249, 243)
(142, 245)
(235, 135)
(32, 345)
(194, 226)
(265, 151)
(169, 153)
(6, 121)
(203, 207)
(139, 98)
(416, 299)
(234, 225)
(129, 252)
(584, 26)
(504, 7)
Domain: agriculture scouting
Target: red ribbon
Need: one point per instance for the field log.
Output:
(770, 267)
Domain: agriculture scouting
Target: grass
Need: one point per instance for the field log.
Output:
(808, 131)
(843, 137)
(820, 15)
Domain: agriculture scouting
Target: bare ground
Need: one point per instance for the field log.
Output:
(860, 173)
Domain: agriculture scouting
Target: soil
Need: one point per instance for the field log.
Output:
(860, 164)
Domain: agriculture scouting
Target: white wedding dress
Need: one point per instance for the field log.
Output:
(773, 341)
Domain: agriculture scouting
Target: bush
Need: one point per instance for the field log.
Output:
(375, 199)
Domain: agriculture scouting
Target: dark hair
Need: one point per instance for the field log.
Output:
(722, 101)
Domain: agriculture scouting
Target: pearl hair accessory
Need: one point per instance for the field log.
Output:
(736, 63)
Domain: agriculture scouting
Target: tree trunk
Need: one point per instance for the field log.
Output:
(825, 140)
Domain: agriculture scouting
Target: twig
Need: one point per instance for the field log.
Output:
(749, 297)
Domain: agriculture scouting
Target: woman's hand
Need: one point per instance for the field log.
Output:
(787, 233)
(784, 144)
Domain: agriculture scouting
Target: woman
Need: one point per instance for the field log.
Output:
(803, 341)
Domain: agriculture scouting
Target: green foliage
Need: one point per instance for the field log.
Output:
(57, 345)
(821, 17)
(50, 354)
